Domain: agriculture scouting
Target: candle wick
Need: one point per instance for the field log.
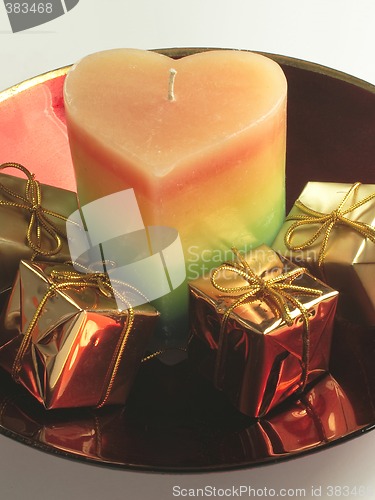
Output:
(172, 76)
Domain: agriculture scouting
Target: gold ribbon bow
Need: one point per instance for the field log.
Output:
(277, 293)
(327, 222)
(39, 219)
(62, 280)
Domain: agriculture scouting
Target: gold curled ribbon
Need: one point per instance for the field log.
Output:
(277, 293)
(327, 222)
(39, 219)
(63, 280)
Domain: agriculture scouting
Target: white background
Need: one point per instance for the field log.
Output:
(335, 33)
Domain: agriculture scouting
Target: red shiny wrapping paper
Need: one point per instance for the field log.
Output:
(14, 223)
(324, 413)
(262, 355)
(75, 343)
(319, 416)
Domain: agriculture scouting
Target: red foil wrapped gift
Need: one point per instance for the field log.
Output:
(64, 339)
(261, 329)
(33, 222)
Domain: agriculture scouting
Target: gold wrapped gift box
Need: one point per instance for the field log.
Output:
(65, 340)
(23, 216)
(260, 353)
(331, 231)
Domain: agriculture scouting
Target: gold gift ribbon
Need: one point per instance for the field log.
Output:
(277, 293)
(39, 220)
(327, 222)
(62, 280)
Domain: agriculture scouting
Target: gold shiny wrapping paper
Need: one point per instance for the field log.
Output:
(75, 343)
(349, 262)
(262, 357)
(14, 224)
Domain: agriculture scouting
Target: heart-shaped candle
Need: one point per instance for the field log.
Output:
(201, 140)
